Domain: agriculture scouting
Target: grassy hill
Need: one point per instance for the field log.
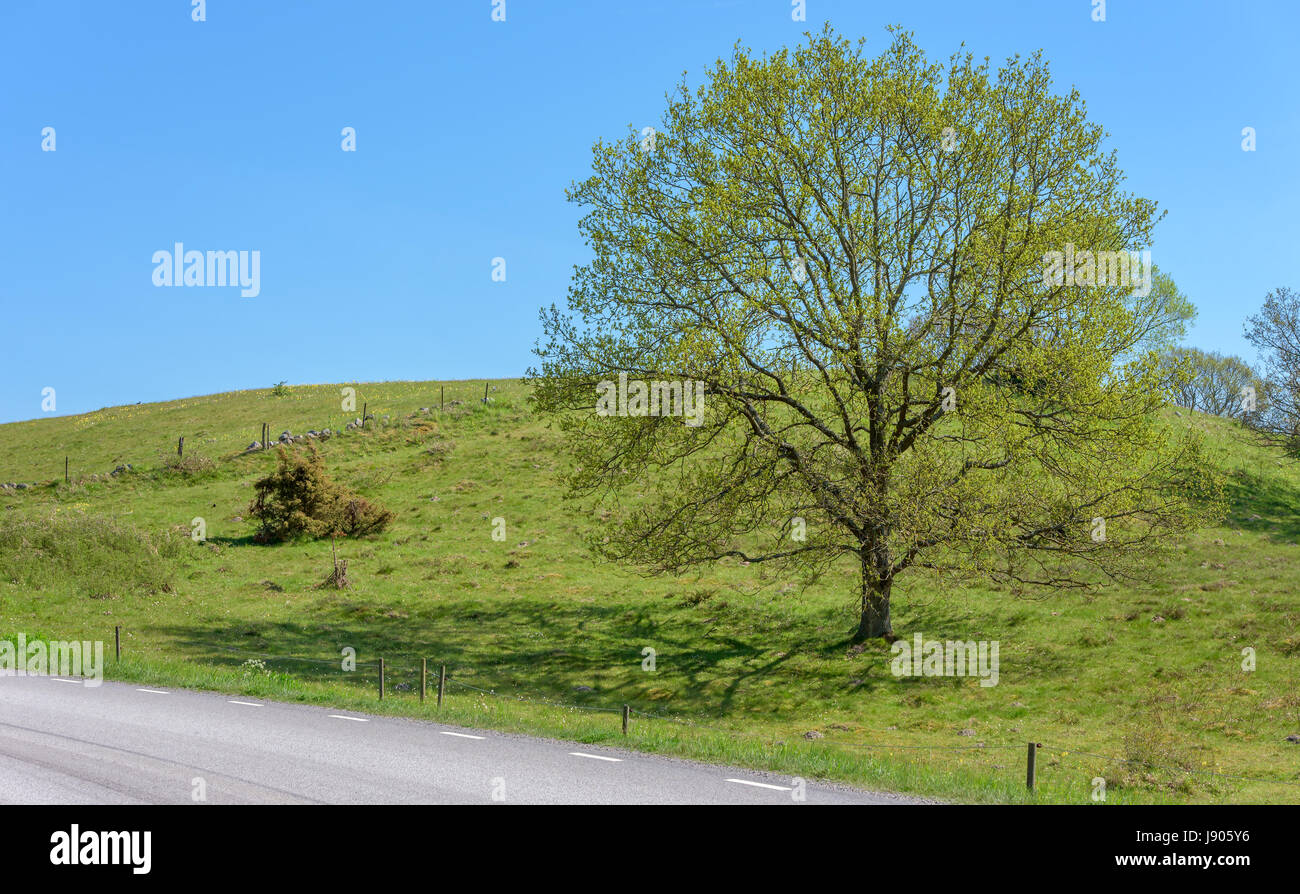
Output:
(1142, 687)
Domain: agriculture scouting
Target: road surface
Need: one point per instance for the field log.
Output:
(119, 743)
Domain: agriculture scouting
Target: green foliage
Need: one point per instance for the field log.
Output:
(849, 254)
(1162, 315)
(281, 389)
(300, 499)
(1275, 333)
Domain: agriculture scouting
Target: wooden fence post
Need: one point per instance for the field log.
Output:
(424, 676)
(627, 715)
(65, 470)
(117, 642)
(1030, 756)
(180, 446)
(442, 683)
(442, 397)
(381, 679)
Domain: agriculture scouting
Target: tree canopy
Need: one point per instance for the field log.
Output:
(1219, 384)
(849, 253)
(1275, 333)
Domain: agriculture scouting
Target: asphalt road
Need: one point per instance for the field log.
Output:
(65, 743)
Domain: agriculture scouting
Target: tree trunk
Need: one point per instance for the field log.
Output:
(875, 607)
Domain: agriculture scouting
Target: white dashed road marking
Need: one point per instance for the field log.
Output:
(595, 757)
(779, 788)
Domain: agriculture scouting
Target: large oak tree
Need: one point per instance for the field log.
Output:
(849, 253)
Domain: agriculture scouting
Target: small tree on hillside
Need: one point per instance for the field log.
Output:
(299, 499)
(849, 254)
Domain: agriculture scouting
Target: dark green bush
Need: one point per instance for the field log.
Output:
(300, 499)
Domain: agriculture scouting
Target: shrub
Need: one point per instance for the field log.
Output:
(300, 499)
(359, 517)
(1156, 756)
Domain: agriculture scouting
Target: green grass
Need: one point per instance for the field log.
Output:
(747, 662)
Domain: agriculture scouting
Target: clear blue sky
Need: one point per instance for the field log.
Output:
(225, 134)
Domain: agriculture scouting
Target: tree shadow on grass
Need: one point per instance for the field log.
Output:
(589, 656)
(246, 540)
(1263, 505)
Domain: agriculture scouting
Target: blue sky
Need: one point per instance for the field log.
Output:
(376, 264)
